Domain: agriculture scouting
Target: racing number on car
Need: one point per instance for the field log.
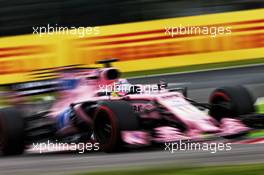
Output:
(138, 108)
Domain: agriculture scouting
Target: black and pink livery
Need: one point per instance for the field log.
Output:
(84, 111)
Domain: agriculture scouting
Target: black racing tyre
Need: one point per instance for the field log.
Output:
(112, 117)
(12, 135)
(231, 102)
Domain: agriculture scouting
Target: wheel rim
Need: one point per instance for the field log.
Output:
(103, 127)
(220, 98)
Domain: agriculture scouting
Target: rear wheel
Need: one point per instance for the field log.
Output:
(231, 102)
(11, 132)
(112, 117)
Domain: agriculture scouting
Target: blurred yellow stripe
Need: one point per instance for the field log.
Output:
(186, 60)
(70, 49)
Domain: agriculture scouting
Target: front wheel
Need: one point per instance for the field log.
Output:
(110, 119)
(231, 102)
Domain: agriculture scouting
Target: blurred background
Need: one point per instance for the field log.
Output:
(18, 17)
(134, 32)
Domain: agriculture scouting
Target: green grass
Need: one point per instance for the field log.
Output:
(256, 134)
(253, 169)
(260, 108)
(194, 67)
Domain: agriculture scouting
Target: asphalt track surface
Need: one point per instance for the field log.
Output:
(200, 85)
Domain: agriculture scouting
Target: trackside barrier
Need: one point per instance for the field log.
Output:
(139, 46)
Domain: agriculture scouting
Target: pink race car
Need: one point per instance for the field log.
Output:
(95, 105)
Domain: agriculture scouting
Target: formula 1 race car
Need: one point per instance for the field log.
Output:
(95, 105)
